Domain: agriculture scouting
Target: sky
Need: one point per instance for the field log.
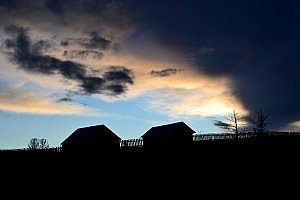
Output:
(136, 64)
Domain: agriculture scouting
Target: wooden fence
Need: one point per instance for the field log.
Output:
(212, 136)
(55, 149)
(132, 143)
(222, 136)
(52, 149)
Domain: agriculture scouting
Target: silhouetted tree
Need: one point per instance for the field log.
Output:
(260, 122)
(44, 144)
(33, 143)
(234, 120)
(36, 143)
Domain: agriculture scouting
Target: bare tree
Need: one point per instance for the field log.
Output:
(44, 144)
(36, 143)
(260, 123)
(33, 143)
(234, 121)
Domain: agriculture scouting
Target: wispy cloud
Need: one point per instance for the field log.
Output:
(95, 42)
(164, 72)
(222, 125)
(65, 99)
(82, 54)
(18, 100)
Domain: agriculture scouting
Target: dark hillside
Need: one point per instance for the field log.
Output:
(207, 163)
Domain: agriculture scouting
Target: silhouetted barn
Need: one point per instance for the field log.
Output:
(96, 138)
(170, 135)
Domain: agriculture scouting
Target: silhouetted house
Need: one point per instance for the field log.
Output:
(170, 135)
(96, 138)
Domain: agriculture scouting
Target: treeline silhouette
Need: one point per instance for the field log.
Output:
(273, 137)
(133, 150)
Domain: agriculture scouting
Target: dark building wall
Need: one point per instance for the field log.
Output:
(167, 141)
(92, 147)
(102, 141)
(176, 139)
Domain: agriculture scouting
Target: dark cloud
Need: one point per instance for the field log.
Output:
(27, 55)
(81, 54)
(114, 81)
(69, 99)
(94, 42)
(8, 4)
(14, 30)
(97, 42)
(222, 125)
(118, 74)
(65, 99)
(164, 72)
(55, 6)
(110, 18)
(255, 43)
(41, 46)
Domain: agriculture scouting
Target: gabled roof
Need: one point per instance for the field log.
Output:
(83, 134)
(169, 129)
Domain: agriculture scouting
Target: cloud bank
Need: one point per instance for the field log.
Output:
(255, 43)
(28, 56)
(249, 46)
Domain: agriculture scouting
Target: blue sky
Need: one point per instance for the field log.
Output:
(133, 64)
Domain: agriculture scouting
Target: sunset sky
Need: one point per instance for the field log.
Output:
(131, 65)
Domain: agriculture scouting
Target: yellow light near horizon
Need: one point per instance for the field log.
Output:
(184, 93)
(294, 126)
